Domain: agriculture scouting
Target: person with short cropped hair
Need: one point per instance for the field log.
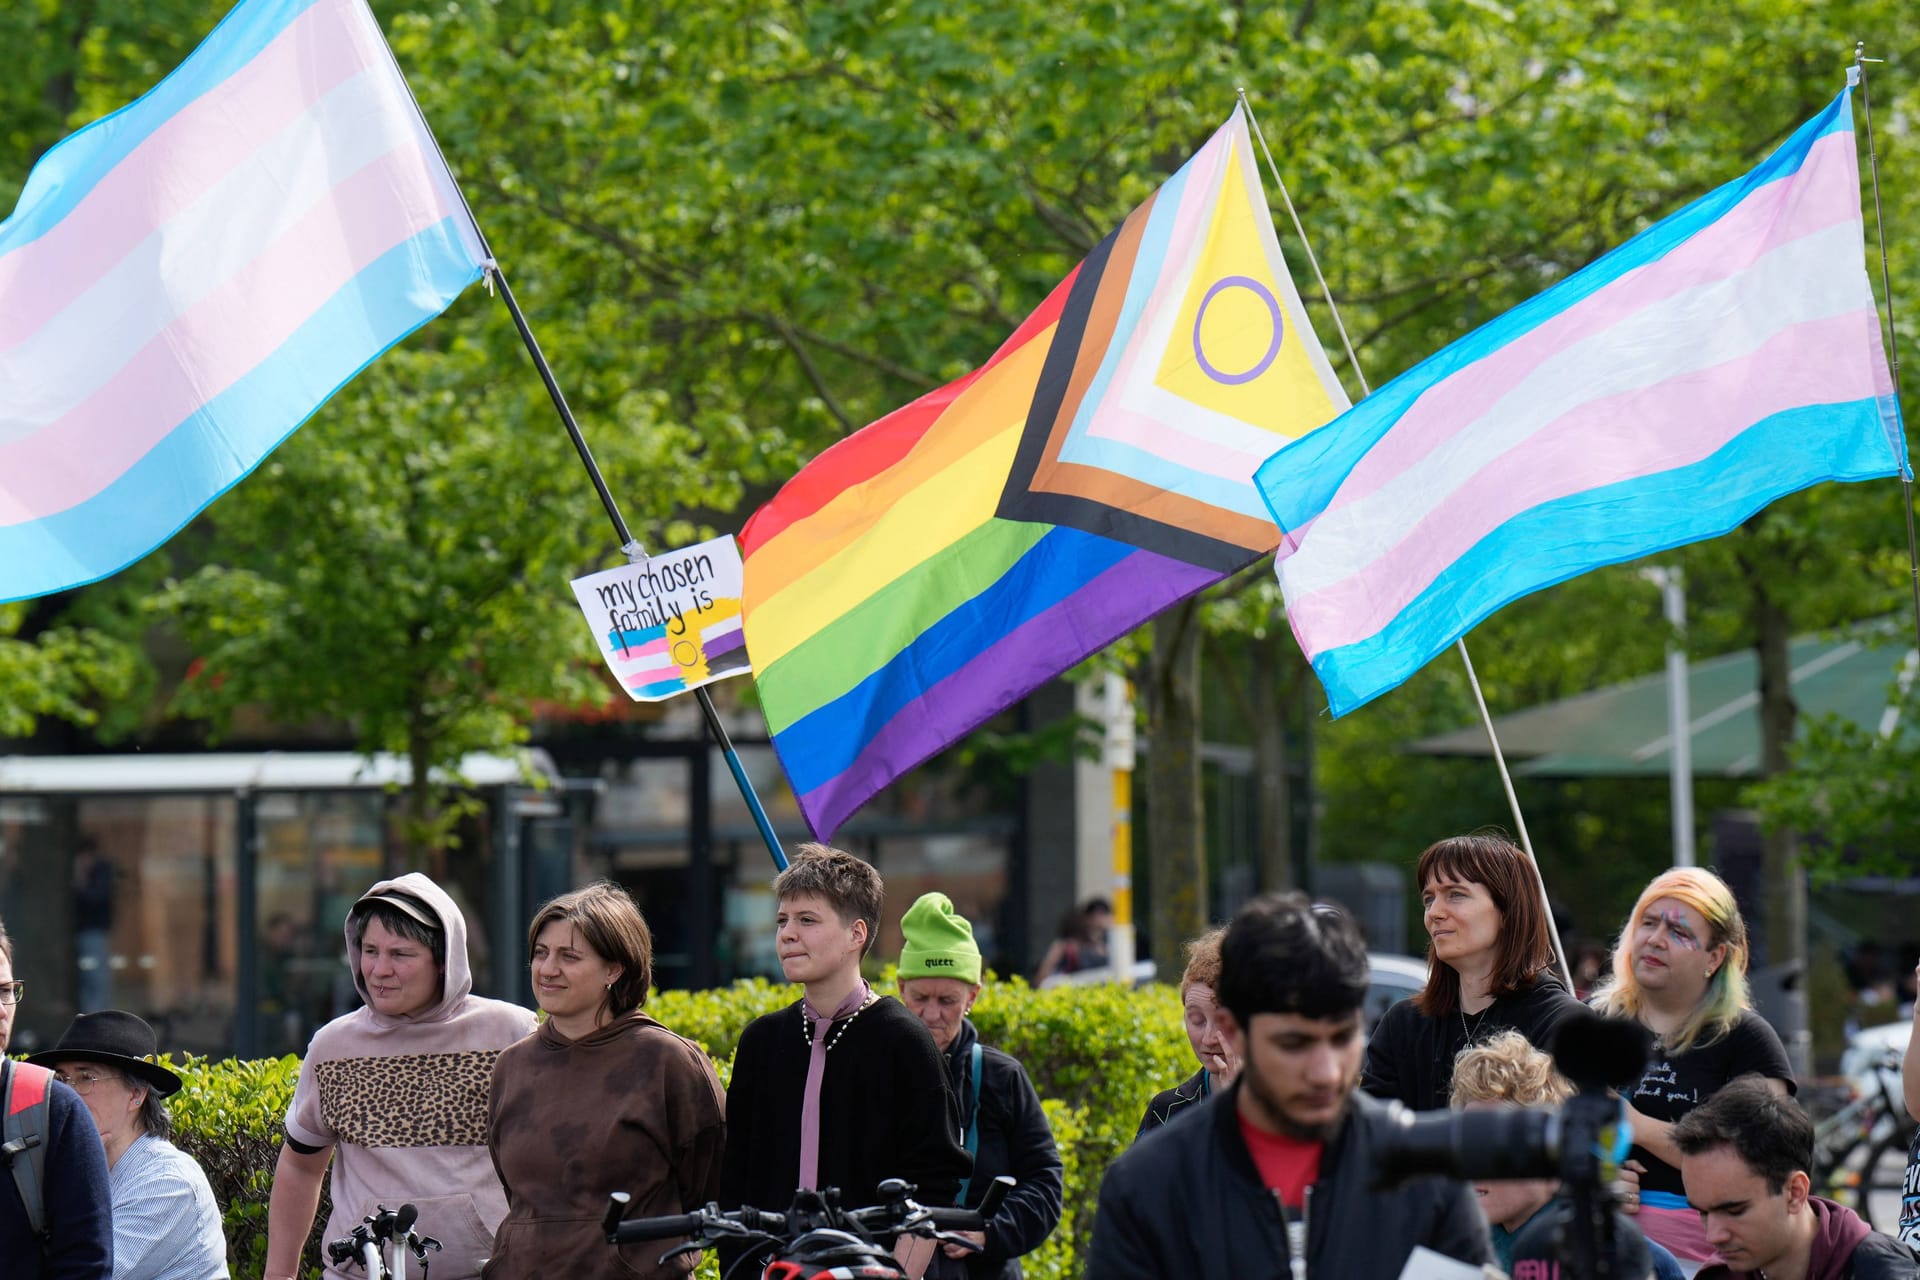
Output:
(1282, 1164)
(601, 1098)
(1745, 1157)
(1200, 1014)
(1507, 1071)
(843, 1088)
(394, 1094)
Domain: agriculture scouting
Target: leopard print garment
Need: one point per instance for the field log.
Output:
(410, 1100)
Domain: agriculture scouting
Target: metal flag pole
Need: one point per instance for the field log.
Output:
(1479, 698)
(1857, 74)
(634, 551)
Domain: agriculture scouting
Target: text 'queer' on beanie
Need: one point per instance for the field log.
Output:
(939, 941)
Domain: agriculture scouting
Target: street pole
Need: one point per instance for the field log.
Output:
(1673, 595)
(1117, 708)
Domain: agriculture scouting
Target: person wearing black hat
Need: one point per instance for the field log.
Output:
(77, 1243)
(166, 1223)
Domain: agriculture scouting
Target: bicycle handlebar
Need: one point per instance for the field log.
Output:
(382, 1227)
(679, 1224)
(713, 1223)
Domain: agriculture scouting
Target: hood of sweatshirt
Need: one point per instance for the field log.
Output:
(1837, 1232)
(456, 983)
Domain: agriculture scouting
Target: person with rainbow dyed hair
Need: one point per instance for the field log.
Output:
(1680, 969)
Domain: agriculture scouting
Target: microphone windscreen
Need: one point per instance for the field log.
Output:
(1601, 1053)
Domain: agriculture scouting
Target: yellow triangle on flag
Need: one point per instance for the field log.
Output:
(1240, 345)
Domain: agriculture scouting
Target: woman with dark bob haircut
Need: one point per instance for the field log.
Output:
(1489, 969)
(600, 1099)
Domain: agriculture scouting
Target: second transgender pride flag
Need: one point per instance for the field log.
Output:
(186, 280)
(1728, 355)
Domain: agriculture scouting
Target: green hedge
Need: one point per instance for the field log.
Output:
(1096, 1054)
(227, 1115)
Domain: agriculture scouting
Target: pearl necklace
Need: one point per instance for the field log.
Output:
(806, 1023)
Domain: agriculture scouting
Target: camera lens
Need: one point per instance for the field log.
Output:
(1520, 1142)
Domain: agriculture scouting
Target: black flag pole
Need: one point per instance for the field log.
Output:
(634, 552)
(632, 549)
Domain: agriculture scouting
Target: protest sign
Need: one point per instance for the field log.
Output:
(668, 623)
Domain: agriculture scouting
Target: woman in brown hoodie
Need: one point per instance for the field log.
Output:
(601, 1098)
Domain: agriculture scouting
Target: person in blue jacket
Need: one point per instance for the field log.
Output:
(78, 1241)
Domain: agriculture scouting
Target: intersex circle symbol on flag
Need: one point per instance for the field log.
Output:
(1273, 348)
(1172, 362)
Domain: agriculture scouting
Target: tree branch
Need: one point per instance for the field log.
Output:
(812, 370)
(868, 358)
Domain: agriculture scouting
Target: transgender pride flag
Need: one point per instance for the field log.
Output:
(186, 280)
(1724, 357)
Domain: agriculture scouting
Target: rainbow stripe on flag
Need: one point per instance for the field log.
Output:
(185, 281)
(1726, 356)
(934, 568)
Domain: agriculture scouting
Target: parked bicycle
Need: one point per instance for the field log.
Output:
(385, 1229)
(815, 1238)
(1851, 1147)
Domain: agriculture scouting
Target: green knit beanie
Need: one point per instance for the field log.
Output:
(939, 941)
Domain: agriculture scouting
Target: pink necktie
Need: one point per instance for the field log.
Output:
(816, 1072)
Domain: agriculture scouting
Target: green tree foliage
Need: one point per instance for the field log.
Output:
(744, 229)
(73, 672)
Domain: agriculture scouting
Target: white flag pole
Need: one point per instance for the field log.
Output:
(1479, 698)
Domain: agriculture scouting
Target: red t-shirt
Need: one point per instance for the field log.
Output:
(1286, 1165)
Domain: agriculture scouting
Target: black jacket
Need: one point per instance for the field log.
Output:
(80, 1229)
(1014, 1139)
(1168, 1103)
(1869, 1255)
(1410, 1056)
(1881, 1257)
(1186, 1200)
(886, 1111)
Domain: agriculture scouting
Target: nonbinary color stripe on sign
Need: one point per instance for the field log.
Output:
(185, 281)
(1726, 356)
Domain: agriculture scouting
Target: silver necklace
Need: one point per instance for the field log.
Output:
(807, 1022)
(1479, 1020)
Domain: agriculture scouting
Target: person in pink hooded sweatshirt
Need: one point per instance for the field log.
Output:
(394, 1094)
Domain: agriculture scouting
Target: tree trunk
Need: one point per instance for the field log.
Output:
(1781, 872)
(1273, 785)
(1175, 832)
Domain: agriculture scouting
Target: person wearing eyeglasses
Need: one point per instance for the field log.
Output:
(78, 1241)
(166, 1223)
